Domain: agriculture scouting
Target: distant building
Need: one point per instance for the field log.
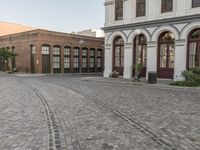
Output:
(12, 28)
(168, 40)
(92, 32)
(43, 51)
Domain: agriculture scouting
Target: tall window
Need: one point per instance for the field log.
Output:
(141, 49)
(195, 3)
(56, 58)
(99, 58)
(166, 6)
(76, 58)
(92, 58)
(67, 56)
(118, 9)
(166, 55)
(84, 58)
(140, 8)
(194, 49)
(118, 55)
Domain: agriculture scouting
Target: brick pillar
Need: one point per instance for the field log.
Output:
(62, 59)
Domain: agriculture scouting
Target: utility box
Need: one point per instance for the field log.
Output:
(152, 77)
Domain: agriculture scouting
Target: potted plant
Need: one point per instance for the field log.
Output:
(114, 74)
(138, 68)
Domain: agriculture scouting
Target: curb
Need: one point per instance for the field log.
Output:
(163, 86)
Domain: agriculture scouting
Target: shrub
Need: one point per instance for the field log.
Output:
(114, 74)
(191, 76)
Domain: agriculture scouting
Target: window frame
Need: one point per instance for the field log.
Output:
(119, 10)
(163, 3)
(195, 6)
(140, 13)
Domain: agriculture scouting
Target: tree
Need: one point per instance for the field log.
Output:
(5, 55)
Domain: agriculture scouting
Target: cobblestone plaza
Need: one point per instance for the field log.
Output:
(69, 113)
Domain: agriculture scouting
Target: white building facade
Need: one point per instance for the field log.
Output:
(168, 42)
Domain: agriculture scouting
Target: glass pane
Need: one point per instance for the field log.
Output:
(45, 50)
(76, 62)
(118, 9)
(163, 55)
(99, 63)
(84, 52)
(91, 62)
(195, 3)
(167, 5)
(56, 51)
(139, 55)
(92, 53)
(99, 53)
(67, 51)
(84, 62)
(33, 49)
(144, 57)
(171, 56)
(192, 54)
(76, 52)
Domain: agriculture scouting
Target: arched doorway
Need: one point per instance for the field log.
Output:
(141, 53)
(166, 55)
(193, 54)
(118, 55)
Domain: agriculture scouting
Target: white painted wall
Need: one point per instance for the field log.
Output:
(153, 11)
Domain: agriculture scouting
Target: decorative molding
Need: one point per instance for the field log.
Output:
(148, 24)
(109, 3)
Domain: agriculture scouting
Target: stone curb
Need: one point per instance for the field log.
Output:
(163, 86)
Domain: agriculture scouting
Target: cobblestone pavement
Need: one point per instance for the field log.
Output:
(64, 112)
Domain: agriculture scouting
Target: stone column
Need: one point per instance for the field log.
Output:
(151, 57)
(128, 60)
(180, 59)
(108, 60)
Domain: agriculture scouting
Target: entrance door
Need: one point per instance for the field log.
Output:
(166, 56)
(118, 55)
(193, 54)
(32, 59)
(142, 54)
(45, 59)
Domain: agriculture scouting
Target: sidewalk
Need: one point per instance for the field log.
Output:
(162, 83)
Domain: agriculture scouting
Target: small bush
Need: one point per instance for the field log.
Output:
(191, 76)
(114, 74)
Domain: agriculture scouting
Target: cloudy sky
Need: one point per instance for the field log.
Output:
(57, 15)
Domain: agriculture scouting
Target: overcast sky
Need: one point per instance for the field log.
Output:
(57, 15)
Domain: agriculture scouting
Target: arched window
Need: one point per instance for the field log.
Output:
(166, 5)
(118, 9)
(166, 55)
(194, 49)
(118, 55)
(195, 3)
(141, 52)
(140, 8)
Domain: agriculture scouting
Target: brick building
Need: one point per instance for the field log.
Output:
(42, 51)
